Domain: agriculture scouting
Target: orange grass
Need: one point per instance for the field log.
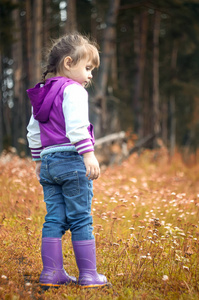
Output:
(146, 217)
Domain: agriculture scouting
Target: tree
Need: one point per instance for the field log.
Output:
(18, 115)
(140, 40)
(71, 21)
(149, 61)
(1, 109)
(172, 99)
(108, 51)
(155, 93)
(37, 39)
(6, 39)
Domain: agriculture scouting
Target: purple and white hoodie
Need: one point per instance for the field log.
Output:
(59, 121)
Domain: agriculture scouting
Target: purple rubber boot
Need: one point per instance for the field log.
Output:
(86, 262)
(53, 274)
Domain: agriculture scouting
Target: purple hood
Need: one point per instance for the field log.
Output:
(42, 96)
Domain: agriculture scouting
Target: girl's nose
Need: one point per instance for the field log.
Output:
(90, 76)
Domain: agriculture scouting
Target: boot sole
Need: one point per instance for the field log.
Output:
(96, 286)
(46, 286)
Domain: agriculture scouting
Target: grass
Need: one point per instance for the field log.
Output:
(146, 217)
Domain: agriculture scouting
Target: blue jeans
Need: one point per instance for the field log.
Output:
(68, 196)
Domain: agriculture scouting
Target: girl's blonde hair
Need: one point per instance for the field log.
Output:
(74, 45)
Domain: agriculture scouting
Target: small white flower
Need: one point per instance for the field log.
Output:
(165, 278)
(182, 233)
(4, 277)
(134, 180)
(177, 257)
(185, 268)
(28, 284)
(132, 228)
(116, 244)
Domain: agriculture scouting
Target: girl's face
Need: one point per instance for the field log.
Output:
(81, 72)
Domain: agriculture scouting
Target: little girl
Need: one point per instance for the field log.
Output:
(61, 140)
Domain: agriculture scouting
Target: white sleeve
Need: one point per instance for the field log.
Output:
(75, 109)
(34, 139)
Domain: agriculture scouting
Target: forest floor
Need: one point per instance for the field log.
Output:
(146, 218)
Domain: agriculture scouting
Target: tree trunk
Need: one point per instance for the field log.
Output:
(147, 104)
(164, 114)
(46, 23)
(29, 64)
(172, 100)
(71, 22)
(107, 55)
(140, 38)
(29, 60)
(93, 20)
(114, 71)
(173, 125)
(1, 109)
(37, 40)
(17, 54)
(155, 96)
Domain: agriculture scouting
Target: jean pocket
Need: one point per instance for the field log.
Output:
(70, 183)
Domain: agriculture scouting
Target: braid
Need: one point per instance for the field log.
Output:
(49, 69)
(44, 76)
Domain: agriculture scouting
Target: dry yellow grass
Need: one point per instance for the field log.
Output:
(146, 217)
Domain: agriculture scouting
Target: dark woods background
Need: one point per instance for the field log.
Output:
(148, 81)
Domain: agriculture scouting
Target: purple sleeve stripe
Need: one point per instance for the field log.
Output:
(35, 156)
(36, 149)
(84, 146)
(85, 149)
(36, 153)
(81, 143)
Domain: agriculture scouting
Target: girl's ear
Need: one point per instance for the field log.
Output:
(67, 62)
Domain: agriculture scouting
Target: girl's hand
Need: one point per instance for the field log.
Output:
(92, 165)
(37, 169)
